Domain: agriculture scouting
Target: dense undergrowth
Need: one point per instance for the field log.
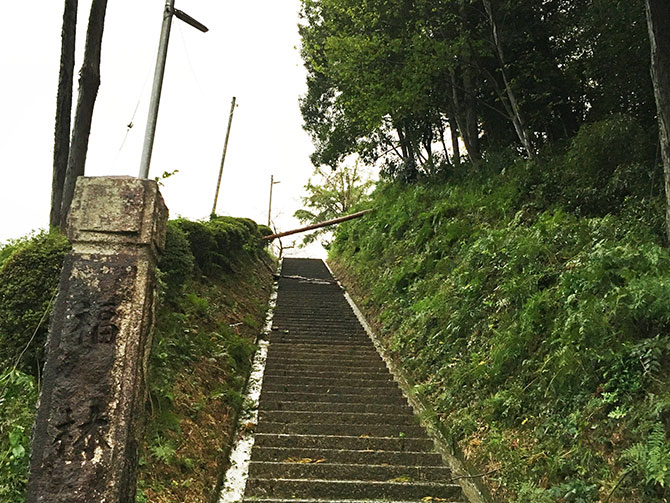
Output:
(528, 300)
(215, 278)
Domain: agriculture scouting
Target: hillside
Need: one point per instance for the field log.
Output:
(215, 280)
(528, 301)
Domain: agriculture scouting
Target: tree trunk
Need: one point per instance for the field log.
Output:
(471, 119)
(63, 109)
(517, 118)
(89, 82)
(440, 129)
(455, 146)
(470, 137)
(658, 22)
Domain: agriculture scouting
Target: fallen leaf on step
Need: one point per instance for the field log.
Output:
(432, 498)
(304, 461)
(402, 479)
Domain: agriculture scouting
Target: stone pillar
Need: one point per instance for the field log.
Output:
(90, 414)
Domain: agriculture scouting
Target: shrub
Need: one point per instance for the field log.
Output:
(220, 243)
(177, 262)
(28, 281)
(608, 161)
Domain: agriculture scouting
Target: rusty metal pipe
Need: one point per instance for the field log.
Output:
(318, 226)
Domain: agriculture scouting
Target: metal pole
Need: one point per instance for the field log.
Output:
(156, 90)
(318, 226)
(223, 158)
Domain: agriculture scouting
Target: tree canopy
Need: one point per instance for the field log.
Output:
(409, 82)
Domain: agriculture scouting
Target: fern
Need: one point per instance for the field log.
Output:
(651, 458)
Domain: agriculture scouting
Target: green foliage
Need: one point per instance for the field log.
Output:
(333, 195)
(649, 459)
(18, 394)
(388, 79)
(606, 162)
(177, 262)
(29, 274)
(538, 329)
(219, 245)
(28, 281)
(162, 450)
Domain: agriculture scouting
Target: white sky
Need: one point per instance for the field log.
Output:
(250, 52)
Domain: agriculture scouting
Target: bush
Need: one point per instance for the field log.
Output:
(608, 161)
(220, 243)
(177, 262)
(28, 282)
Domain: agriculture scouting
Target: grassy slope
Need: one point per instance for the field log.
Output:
(215, 286)
(541, 337)
(199, 366)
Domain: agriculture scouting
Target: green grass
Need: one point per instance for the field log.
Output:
(536, 322)
(192, 342)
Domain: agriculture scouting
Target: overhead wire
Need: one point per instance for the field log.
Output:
(131, 123)
(188, 57)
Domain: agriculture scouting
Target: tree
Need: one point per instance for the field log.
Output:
(389, 79)
(63, 109)
(511, 104)
(89, 82)
(335, 194)
(658, 20)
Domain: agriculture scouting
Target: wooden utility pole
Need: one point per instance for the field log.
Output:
(272, 183)
(223, 157)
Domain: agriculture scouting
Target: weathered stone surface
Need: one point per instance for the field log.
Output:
(89, 420)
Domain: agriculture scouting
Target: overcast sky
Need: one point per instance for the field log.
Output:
(251, 52)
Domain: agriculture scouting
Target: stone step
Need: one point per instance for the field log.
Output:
(300, 417)
(310, 349)
(350, 489)
(287, 405)
(374, 375)
(327, 362)
(371, 391)
(303, 396)
(356, 430)
(293, 352)
(343, 442)
(325, 339)
(318, 331)
(366, 456)
(298, 469)
(318, 321)
(330, 358)
(302, 500)
(333, 425)
(286, 363)
(334, 381)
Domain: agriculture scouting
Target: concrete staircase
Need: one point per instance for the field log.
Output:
(333, 425)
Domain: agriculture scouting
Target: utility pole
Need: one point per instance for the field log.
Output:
(272, 183)
(223, 157)
(159, 73)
